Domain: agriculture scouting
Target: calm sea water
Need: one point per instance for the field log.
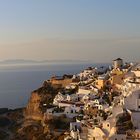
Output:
(17, 81)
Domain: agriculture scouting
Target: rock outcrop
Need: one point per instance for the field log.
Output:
(36, 125)
(40, 100)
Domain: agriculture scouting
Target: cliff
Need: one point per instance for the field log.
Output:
(40, 100)
(35, 126)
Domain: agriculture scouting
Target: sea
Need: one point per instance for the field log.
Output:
(18, 81)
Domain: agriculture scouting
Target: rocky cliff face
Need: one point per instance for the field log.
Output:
(35, 126)
(30, 123)
(33, 110)
(40, 100)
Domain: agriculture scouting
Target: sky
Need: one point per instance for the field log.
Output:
(95, 30)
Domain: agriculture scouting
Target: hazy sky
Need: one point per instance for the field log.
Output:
(97, 30)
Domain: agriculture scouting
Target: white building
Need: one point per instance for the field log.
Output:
(58, 98)
(135, 118)
(132, 101)
(117, 63)
(83, 90)
(96, 134)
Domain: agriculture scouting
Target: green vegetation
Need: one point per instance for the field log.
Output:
(60, 123)
(124, 123)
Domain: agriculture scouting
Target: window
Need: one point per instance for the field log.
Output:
(75, 127)
(138, 135)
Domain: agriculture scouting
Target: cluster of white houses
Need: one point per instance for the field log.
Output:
(106, 104)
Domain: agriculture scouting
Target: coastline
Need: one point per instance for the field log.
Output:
(27, 78)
